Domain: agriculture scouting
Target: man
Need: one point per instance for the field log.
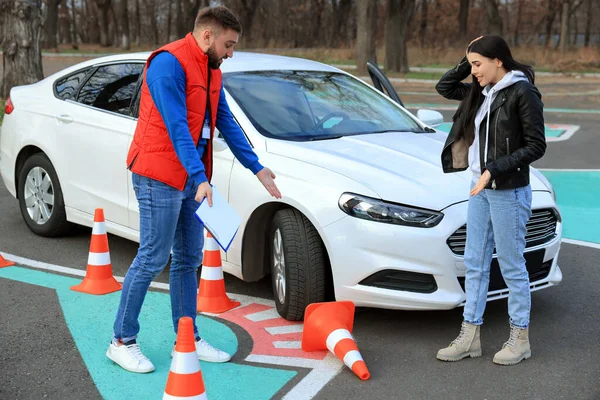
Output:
(182, 100)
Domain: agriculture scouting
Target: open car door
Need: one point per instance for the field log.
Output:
(382, 83)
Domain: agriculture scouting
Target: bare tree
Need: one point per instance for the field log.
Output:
(588, 23)
(74, 32)
(247, 10)
(341, 15)
(423, 24)
(463, 18)
(564, 25)
(124, 25)
(103, 22)
(493, 17)
(551, 14)
(51, 25)
(138, 23)
(365, 36)
(21, 24)
(396, 54)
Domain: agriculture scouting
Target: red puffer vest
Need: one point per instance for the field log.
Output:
(151, 153)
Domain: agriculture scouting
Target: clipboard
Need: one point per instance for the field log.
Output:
(221, 220)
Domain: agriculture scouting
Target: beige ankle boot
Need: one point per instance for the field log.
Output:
(516, 349)
(467, 344)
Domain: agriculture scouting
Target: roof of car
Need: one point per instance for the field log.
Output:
(241, 61)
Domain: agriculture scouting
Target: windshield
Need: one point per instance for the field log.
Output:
(314, 105)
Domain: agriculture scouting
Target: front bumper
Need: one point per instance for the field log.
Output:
(358, 249)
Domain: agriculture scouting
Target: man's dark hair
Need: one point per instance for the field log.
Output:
(219, 17)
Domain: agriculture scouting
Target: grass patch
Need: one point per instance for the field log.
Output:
(1, 110)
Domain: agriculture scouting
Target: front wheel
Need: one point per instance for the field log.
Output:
(298, 264)
(40, 197)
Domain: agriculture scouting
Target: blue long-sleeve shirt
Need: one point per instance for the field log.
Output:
(166, 81)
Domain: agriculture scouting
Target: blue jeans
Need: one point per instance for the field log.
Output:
(167, 221)
(500, 217)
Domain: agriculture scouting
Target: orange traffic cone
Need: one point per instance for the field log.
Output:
(329, 326)
(185, 377)
(98, 277)
(4, 262)
(211, 293)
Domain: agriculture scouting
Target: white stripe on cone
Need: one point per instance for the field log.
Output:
(351, 357)
(335, 336)
(198, 397)
(99, 259)
(211, 273)
(210, 244)
(185, 363)
(99, 228)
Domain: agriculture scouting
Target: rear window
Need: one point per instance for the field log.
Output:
(112, 87)
(66, 88)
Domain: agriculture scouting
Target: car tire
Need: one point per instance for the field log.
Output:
(40, 198)
(298, 262)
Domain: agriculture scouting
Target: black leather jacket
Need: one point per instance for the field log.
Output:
(516, 135)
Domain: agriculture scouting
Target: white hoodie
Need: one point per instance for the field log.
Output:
(490, 92)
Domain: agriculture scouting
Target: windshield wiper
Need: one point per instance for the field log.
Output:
(425, 130)
(313, 138)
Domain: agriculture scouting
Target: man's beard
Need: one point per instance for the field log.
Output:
(213, 61)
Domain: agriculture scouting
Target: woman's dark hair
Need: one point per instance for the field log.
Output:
(490, 46)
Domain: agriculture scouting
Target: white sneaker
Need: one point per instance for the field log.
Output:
(129, 357)
(206, 352)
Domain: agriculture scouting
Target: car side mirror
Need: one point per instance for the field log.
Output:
(219, 143)
(430, 117)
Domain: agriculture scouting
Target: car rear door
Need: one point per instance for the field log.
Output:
(95, 131)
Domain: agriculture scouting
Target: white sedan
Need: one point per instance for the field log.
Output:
(367, 214)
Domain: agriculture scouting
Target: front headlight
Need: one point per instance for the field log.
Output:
(380, 211)
(545, 181)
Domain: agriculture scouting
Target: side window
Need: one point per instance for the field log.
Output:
(111, 87)
(66, 88)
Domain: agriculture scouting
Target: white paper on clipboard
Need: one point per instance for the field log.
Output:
(221, 220)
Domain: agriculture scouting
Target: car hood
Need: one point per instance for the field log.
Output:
(401, 167)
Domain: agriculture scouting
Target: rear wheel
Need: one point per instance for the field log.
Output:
(40, 197)
(298, 264)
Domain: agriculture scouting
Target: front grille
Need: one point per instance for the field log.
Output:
(541, 229)
(537, 270)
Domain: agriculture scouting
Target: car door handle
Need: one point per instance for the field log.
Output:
(64, 118)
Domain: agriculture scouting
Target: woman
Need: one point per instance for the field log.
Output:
(498, 132)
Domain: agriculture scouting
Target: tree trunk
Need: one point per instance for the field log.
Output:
(246, 16)
(124, 25)
(74, 44)
(341, 20)
(103, 21)
(493, 17)
(64, 24)
(21, 24)
(423, 24)
(463, 18)
(182, 30)
(365, 37)
(399, 14)
(153, 23)
(564, 25)
(170, 37)
(518, 24)
(190, 10)
(51, 25)
(588, 24)
(138, 23)
(550, 21)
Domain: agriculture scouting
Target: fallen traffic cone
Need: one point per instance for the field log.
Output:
(98, 277)
(329, 326)
(4, 262)
(211, 293)
(185, 377)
